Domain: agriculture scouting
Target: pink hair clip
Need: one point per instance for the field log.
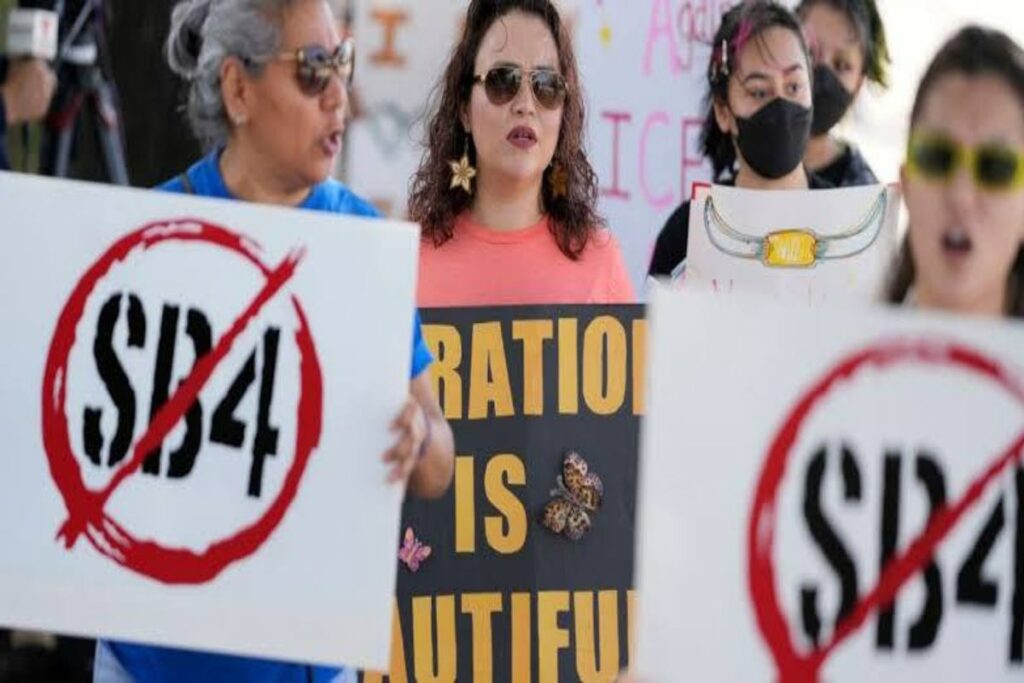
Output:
(743, 34)
(723, 60)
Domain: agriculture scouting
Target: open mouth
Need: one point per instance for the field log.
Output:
(956, 242)
(331, 143)
(522, 137)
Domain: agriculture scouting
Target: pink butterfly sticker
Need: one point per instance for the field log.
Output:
(413, 551)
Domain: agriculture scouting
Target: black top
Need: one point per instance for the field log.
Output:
(849, 169)
(670, 249)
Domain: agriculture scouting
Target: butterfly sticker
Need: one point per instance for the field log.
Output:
(413, 551)
(577, 497)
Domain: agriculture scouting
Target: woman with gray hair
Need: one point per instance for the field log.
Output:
(268, 97)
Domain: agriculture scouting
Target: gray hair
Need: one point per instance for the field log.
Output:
(206, 32)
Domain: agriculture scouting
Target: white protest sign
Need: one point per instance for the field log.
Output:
(644, 66)
(195, 399)
(830, 496)
(813, 246)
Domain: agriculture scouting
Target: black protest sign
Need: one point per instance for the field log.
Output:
(500, 596)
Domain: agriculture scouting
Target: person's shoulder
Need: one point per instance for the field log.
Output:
(670, 246)
(818, 182)
(859, 170)
(605, 256)
(602, 246)
(849, 169)
(339, 198)
(195, 175)
(602, 240)
(175, 185)
(681, 215)
(677, 226)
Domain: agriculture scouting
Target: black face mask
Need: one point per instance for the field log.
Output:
(831, 100)
(773, 140)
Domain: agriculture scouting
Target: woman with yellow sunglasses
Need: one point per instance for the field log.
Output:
(963, 180)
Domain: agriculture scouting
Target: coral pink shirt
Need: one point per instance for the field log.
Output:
(483, 267)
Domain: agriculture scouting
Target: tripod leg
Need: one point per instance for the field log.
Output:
(59, 132)
(108, 130)
(60, 157)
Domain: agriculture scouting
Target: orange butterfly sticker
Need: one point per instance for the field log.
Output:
(577, 497)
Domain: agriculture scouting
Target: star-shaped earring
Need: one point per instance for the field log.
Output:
(462, 174)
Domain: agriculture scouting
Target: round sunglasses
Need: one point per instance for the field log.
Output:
(502, 84)
(315, 65)
(994, 166)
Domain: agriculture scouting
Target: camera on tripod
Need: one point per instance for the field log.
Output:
(70, 34)
(55, 30)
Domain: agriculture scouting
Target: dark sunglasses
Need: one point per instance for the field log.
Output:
(315, 65)
(502, 84)
(993, 166)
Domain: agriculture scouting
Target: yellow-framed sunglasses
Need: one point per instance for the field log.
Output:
(937, 157)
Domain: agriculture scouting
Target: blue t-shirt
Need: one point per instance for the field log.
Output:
(330, 195)
(149, 664)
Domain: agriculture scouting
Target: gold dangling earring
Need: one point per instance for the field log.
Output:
(462, 171)
(558, 178)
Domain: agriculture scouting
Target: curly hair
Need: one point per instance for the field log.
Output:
(435, 206)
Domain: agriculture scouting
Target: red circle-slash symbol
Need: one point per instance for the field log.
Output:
(791, 664)
(86, 507)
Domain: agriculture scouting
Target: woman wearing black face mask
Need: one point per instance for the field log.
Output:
(758, 114)
(848, 45)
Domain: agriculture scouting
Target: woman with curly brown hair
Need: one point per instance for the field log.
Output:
(505, 194)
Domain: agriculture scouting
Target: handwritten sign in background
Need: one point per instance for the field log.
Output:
(644, 65)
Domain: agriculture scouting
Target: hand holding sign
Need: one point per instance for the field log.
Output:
(411, 426)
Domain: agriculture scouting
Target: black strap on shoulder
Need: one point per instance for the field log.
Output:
(187, 184)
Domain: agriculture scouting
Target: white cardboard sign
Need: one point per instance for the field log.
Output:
(815, 247)
(195, 397)
(829, 495)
